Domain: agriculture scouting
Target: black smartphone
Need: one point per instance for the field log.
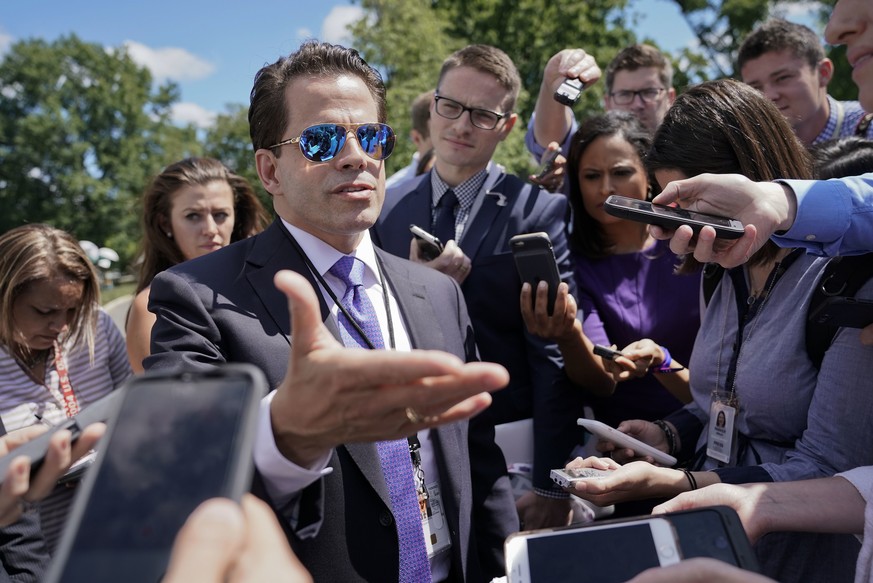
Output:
(429, 246)
(99, 411)
(177, 440)
(714, 531)
(548, 164)
(606, 352)
(569, 92)
(671, 217)
(535, 261)
(843, 312)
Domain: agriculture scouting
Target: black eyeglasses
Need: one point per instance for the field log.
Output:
(322, 142)
(627, 97)
(481, 118)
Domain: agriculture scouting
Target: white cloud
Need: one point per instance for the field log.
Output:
(191, 113)
(169, 62)
(334, 28)
(803, 12)
(303, 33)
(6, 41)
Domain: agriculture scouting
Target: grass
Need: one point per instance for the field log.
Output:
(107, 295)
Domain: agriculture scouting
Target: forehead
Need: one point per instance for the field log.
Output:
(214, 193)
(612, 149)
(772, 63)
(473, 88)
(642, 78)
(57, 289)
(334, 99)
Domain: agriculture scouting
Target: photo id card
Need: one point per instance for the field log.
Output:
(722, 430)
(433, 521)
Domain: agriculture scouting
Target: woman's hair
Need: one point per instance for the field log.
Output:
(841, 157)
(160, 252)
(587, 238)
(35, 252)
(726, 127)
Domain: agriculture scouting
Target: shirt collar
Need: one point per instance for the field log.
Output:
(323, 256)
(466, 191)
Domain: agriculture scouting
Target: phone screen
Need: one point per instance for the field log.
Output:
(608, 555)
(171, 447)
(703, 534)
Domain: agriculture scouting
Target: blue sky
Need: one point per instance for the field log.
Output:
(213, 48)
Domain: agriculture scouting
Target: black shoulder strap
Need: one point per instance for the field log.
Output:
(712, 273)
(843, 276)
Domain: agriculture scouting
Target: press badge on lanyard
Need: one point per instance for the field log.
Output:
(430, 503)
(721, 441)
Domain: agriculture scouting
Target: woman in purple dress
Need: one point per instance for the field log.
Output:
(629, 295)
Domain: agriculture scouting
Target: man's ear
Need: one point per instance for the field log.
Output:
(671, 95)
(507, 127)
(265, 163)
(825, 72)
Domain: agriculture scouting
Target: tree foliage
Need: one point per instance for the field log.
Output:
(81, 132)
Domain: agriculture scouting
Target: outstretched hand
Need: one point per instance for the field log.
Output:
(763, 207)
(333, 395)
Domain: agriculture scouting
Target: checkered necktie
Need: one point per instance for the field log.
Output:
(394, 455)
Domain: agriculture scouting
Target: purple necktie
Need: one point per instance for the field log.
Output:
(394, 455)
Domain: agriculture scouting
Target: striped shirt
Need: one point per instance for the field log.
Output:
(24, 402)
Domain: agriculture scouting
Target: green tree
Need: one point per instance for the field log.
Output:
(228, 140)
(81, 132)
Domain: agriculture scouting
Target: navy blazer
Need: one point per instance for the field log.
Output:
(223, 307)
(538, 388)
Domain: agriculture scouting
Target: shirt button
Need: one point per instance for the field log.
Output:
(385, 518)
(810, 237)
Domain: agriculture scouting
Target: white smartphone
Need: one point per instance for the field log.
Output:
(602, 553)
(566, 478)
(604, 431)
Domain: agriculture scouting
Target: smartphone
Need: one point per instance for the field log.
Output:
(98, 411)
(843, 312)
(569, 92)
(566, 478)
(716, 532)
(177, 440)
(671, 217)
(606, 552)
(548, 164)
(535, 261)
(604, 431)
(606, 352)
(429, 246)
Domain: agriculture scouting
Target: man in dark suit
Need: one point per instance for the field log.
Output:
(470, 115)
(317, 125)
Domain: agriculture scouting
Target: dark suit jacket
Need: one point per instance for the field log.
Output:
(224, 307)
(538, 387)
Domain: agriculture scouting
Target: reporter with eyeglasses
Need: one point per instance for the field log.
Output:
(639, 80)
(474, 206)
(362, 450)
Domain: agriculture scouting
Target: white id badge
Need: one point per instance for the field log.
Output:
(433, 521)
(722, 428)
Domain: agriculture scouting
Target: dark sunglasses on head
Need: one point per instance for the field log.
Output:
(322, 142)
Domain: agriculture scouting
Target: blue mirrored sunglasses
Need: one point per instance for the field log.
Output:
(322, 142)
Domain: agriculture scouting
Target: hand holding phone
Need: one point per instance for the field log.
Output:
(670, 217)
(604, 431)
(548, 164)
(429, 246)
(535, 261)
(566, 478)
(177, 440)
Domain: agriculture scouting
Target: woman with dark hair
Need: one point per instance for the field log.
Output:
(786, 418)
(628, 293)
(192, 208)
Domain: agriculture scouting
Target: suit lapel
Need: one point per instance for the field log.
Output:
(489, 202)
(273, 251)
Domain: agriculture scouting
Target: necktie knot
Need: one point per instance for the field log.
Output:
(349, 270)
